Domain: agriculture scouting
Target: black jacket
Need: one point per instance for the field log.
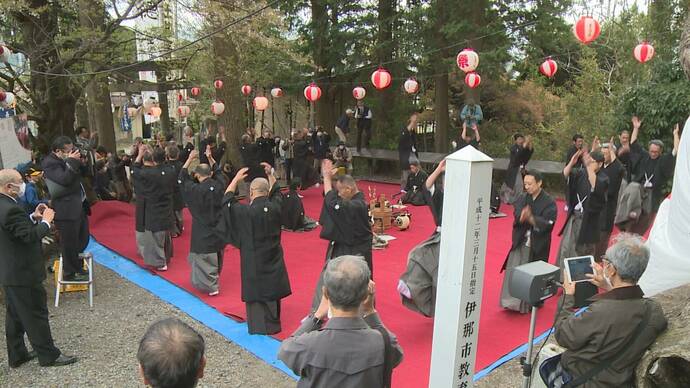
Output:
(593, 203)
(21, 258)
(615, 171)
(178, 202)
(545, 213)
(63, 179)
(519, 157)
(407, 146)
(204, 202)
(154, 186)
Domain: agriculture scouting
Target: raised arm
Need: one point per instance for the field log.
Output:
(327, 173)
(636, 123)
(431, 179)
(573, 161)
(676, 140)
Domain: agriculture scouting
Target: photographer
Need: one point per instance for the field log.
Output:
(61, 170)
(353, 349)
(604, 343)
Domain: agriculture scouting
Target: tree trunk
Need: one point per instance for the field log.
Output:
(165, 111)
(92, 17)
(55, 99)
(320, 24)
(441, 112)
(685, 46)
(385, 49)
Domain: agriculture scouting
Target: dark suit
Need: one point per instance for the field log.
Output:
(67, 197)
(21, 276)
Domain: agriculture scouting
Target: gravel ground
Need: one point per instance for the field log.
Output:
(106, 340)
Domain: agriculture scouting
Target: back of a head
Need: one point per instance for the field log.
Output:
(203, 170)
(348, 180)
(159, 155)
(260, 185)
(172, 151)
(346, 279)
(629, 255)
(171, 354)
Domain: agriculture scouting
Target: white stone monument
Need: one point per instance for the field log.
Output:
(466, 208)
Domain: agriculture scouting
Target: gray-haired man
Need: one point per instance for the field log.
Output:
(353, 349)
(618, 327)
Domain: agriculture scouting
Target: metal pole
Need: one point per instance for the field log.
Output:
(527, 363)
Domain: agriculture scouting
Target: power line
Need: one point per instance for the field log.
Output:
(167, 52)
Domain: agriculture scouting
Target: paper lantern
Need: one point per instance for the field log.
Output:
(260, 103)
(5, 54)
(180, 97)
(359, 92)
(217, 108)
(155, 111)
(586, 29)
(131, 112)
(549, 68)
(643, 52)
(149, 103)
(183, 111)
(218, 84)
(467, 60)
(473, 80)
(411, 86)
(8, 100)
(246, 90)
(312, 92)
(2, 96)
(277, 92)
(381, 78)
(196, 91)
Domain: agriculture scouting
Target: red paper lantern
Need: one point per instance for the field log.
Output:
(180, 97)
(586, 29)
(277, 92)
(217, 108)
(260, 103)
(549, 68)
(246, 90)
(312, 92)
(359, 93)
(467, 60)
(155, 111)
(218, 84)
(411, 86)
(473, 80)
(183, 111)
(381, 78)
(643, 52)
(2, 96)
(196, 91)
(5, 54)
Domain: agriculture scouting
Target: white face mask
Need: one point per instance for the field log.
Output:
(22, 188)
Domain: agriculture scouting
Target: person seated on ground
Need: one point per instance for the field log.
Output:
(292, 214)
(35, 192)
(102, 183)
(350, 349)
(343, 158)
(171, 354)
(414, 187)
(604, 343)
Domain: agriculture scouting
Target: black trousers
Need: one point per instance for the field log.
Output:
(366, 128)
(288, 170)
(27, 312)
(74, 237)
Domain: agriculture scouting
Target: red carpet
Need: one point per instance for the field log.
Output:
(112, 224)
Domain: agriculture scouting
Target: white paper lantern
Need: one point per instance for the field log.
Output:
(9, 100)
(260, 103)
(217, 108)
(467, 60)
(277, 92)
(359, 93)
(411, 86)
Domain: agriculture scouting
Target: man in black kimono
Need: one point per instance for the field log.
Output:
(615, 171)
(265, 148)
(154, 182)
(293, 217)
(217, 150)
(535, 215)
(520, 153)
(255, 229)
(588, 189)
(642, 197)
(204, 198)
(414, 187)
(249, 152)
(363, 116)
(172, 155)
(407, 149)
(344, 221)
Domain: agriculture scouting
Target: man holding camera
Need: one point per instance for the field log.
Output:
(62, 172)
(22, 274)
(353, 349)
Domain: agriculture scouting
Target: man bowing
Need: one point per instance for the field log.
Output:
(255, 230)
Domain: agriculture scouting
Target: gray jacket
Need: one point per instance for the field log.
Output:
(345, 353)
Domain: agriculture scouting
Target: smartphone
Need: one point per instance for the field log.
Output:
(577, 268)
